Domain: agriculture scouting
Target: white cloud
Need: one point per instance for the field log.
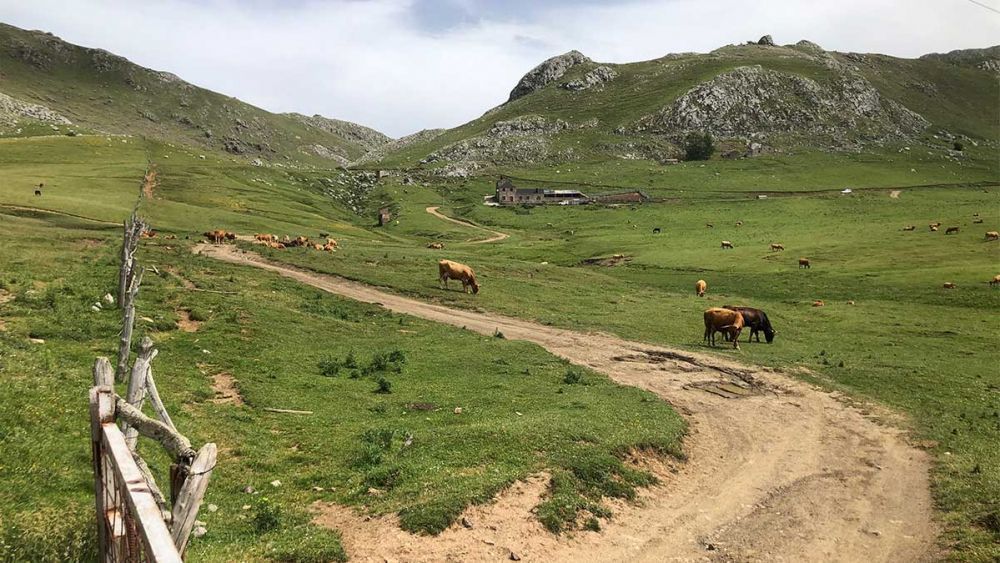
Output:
(379, 63)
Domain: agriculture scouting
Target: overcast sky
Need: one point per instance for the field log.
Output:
(404, 65)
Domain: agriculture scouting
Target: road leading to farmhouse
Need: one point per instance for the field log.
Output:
(497, 235)
(776, 469)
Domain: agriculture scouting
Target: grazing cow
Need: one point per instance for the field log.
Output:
(700, 287)
(936, 224)
(448, 270)
(435, 245)
(324, 235)
(332, 243)
(709, 225)
(995, 280)
(950, 230)
(818, 303)
(850, 302)
(949, 285)
(38, 192)
(725, 321)
(757, 321)
(910, 228)
(217, 236)
(992, 235)
(804, 263)
(934, 228)
(727, 244)
(329, 247)
(317, 246)
(775, 247)
(739, 223)
(148, 234)
(264, 237)
(977, 222)
(656, 230)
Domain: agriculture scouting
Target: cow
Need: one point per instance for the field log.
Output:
(709, 226)
(935, 224)
(332, 243)
(757, 321)
(230, 236)
(453, 270)
(727, 244)
(775, 247)
(950, 230)
(995, 280)
(818, 303)
(804, 263)
(149, 233)
(910, 228)
(992, 235)
(934, 228)
(38, 192)
(329, 247)
(317, 246)
(949, 285)
(324, 235)
(435, 245)
(264, 237)
(700, 287)
(739, 223)
(725, 321)
(977, 222)
(217, 236)
(656, 230)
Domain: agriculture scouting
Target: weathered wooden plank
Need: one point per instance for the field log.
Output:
(155, 536)
(154, 399)
(136, 393)
(101, 411)
(191, 494)
(286, 411)
(176, 445)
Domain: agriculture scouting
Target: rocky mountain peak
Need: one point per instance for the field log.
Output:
(549, 71)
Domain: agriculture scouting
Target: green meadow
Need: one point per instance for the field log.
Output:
(383, 387)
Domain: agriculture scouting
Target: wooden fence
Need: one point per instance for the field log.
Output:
(130, 526)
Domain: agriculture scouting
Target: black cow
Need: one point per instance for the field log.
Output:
(656, 230)
(757, 321)
(38, 192)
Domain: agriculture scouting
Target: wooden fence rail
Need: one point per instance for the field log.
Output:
(129, 521)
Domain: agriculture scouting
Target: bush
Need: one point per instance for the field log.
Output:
(350, 362)
(266, 516)
(384, 385)
(573, 377)
(959, 146)
(698, 146)
(329, 367)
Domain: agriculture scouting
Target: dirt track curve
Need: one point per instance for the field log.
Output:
(497, 235)
(777, 470)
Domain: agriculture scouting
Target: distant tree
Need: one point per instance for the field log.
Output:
(699, 146)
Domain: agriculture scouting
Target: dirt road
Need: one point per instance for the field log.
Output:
(778, 470)
(497, 235)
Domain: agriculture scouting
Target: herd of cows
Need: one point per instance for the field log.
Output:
(728, 320)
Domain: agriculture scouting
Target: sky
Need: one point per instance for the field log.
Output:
(404, 65)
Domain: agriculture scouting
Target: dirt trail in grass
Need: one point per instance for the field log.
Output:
(149, 182)
(777, 469)
(497, 235)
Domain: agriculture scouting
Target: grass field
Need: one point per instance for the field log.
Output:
(906, 343)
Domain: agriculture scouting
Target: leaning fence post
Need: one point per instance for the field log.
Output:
(191, 494)
(136, 393)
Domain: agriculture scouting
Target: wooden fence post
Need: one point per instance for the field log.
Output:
(191, 494)
(136, 393)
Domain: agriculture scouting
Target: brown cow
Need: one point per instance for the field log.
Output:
(332, 243)
(455, 271)
(264, 237)
(804, 263)
(435, 245)
(230, 236)
(727, 244)
(995, 280)
(329, 247)
(148, 234)
(992, 235)
(949, 285)
(723, 320)
(317, 246)
(910, 228)
(818, 303)
(950, 230)
(775, 247)
(217, 236)
(700, 287)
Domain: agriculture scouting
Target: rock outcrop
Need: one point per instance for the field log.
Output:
(13, 110)
(366, 137)
(766, 40)
(596, 77)
(392, 146)
(549, 71)
(750, 100)
(524, 139)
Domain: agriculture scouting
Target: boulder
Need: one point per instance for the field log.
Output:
(549, 71)
(766, 40)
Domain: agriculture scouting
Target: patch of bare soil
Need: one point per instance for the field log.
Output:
(185, 323)
(894, 194)
(608, 261)
(88, 243)
(186, 283)
(776, 469)
(149, 182)
(226, 390)
(5, 296)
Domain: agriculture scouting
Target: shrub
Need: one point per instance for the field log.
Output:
(959, 146)
(350, 362)
(266, 516)
(384, 385)
(698, 146)
(573, 377)
(329, 367)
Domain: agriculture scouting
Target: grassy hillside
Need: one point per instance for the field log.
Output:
(100, 91)
(605, 121)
